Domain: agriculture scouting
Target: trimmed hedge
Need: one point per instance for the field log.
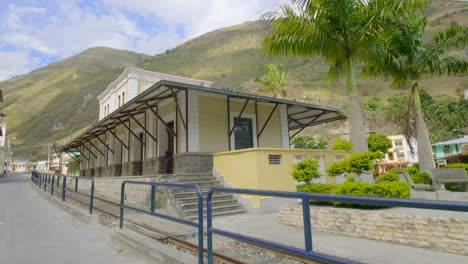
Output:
(392, 189)
(418, 177)
(388, 177)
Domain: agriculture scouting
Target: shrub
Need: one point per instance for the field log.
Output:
(357, 162)
(379, 142)
(308, 142)
(306, 171)
(388, 177)
(422, 177)
(342, 144)
(458, 165)
(392, 189)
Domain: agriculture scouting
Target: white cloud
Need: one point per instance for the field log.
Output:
(65, 27)
(15, 63)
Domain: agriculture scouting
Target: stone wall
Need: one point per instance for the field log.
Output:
(193, 162)
(449, 234)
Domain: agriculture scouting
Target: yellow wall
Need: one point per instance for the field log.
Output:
(213, 123)
(250, 169)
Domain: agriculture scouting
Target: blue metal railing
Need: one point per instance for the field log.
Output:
(198, 225)
(308, 252)
(44, 179)
(77, 178)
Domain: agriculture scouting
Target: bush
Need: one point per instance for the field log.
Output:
(458, 165)
(357, 162)
(308, 142)
(379, 142)
(342, 144)
(392, 189)
(388, 177)
(306, 171)
(422, 178)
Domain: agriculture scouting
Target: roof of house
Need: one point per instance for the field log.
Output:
(462, 140)
(300, 115)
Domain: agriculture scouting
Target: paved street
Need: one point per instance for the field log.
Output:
(32, 230)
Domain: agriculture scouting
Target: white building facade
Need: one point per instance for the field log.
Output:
(400, 153)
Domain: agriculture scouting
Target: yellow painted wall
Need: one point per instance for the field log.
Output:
(213, 123)
(250, 168)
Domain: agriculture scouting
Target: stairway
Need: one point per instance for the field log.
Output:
(186, 200)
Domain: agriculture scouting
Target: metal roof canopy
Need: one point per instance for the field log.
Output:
(300, 115)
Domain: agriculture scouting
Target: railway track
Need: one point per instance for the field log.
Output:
(181, 243)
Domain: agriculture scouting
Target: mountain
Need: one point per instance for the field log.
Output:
(59, 100)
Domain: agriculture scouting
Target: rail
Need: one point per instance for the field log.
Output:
(42, 180)
(308, 252)
(198, 225)
(77, 178)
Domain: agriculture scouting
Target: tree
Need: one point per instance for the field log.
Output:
(308, 142)
(379, 143)
(274, 81)
(342, 144)
(403, 55)
(341, 32)
(306, 171)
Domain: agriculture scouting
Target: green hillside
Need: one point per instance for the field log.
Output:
(54, 102)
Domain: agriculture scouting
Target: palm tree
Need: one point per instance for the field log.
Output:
(403, 55)
(274, 81)
(341, 31)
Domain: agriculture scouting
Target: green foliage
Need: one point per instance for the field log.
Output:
(308, 142)
(374, 104)
(379, 143)
(357, 162)
(458, 165)
(342, 144)
(306, 171)
(390, 189)
(274, 81)
(388, 177)
(416, 175)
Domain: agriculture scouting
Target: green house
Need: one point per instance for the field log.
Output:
(451, 151)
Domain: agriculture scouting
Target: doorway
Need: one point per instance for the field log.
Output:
(243, 134)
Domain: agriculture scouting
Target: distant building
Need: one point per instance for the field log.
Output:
(451, 151)
(400, 155)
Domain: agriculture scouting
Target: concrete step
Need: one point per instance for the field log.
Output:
(204, 188)
(217, 202)
(217, 209)
(193, 197)
(237, 211)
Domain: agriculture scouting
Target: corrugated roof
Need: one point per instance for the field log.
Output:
(462, 140)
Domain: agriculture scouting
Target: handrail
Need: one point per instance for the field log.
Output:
(77, 178)
(198, 225)
(308, 252)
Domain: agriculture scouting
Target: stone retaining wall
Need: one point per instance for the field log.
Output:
(441, 233)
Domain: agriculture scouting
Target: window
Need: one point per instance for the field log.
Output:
(274, 159)
(298, 158)
(447, 150)
(400, 155)
(390, 155)
(243, 133)
(398, 142)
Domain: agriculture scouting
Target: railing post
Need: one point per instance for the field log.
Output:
(40, 180)
(58, 180)
(200, 225)
(64, 187)
(91, 199)
(122, 196)
(45, 183)
(52, 185)
(307, 226)
(76, 184)
(153, 197)
(209, 224)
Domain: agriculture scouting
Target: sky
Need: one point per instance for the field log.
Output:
(34, 33)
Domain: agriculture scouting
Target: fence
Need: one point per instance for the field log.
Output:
(44, 179)
(308, 252)
(198, 225)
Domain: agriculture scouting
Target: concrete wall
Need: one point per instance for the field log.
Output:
(250, 168)
(443, 233)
